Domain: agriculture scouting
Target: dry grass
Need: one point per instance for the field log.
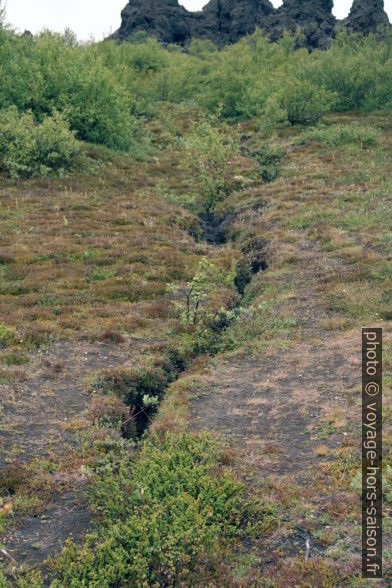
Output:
(321, 197)
(89, 256)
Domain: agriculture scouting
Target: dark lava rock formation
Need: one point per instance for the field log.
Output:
(164, 19)
(313, 17)
(227, 21)
(366, 16)
(221, 21)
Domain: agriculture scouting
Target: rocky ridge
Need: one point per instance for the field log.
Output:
(366, 16)
(227, 21)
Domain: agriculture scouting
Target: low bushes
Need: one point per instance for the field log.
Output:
(206, 305)
(251, 325)
(29, 149)
(304, 102)
(7, 336)
(269, 159)
(336, 135)
(178, 510)
(99, 108)
(357, 69)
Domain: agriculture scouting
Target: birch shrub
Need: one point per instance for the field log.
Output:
(29, 149)
(208, 149)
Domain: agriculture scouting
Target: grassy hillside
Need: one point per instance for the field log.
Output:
(190, 244)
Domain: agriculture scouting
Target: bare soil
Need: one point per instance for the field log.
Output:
(39, 411)
(41, 416)
(38, 537)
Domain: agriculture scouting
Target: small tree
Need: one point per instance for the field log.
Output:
(209, 146)
(197, 292)
(194, 306)
(269, 159)
(206, 278)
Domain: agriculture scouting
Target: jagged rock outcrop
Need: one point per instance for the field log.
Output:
(366, 16)
(227, 21)
(313, 17)
(164, 19)
(221, 21)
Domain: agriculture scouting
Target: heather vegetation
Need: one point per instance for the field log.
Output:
(182, 217)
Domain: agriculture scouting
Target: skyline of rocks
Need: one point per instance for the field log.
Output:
(227, 21)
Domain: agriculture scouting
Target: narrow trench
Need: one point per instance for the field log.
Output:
(253, 261)
(214, 231)
(214, 227)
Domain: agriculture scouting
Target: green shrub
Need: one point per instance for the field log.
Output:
(341, 135)
(51, 72)
(208, 150)
(7, 336)
(228, 84)
(357, 69)
(105, 88)
(27, 579)
(304, 102)
(269, 159)
(2, 14)
(99, 108)
(146, 55)
(273, 116)
(202, 48)
(205, 279)
(175, 510)
(28, 149)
